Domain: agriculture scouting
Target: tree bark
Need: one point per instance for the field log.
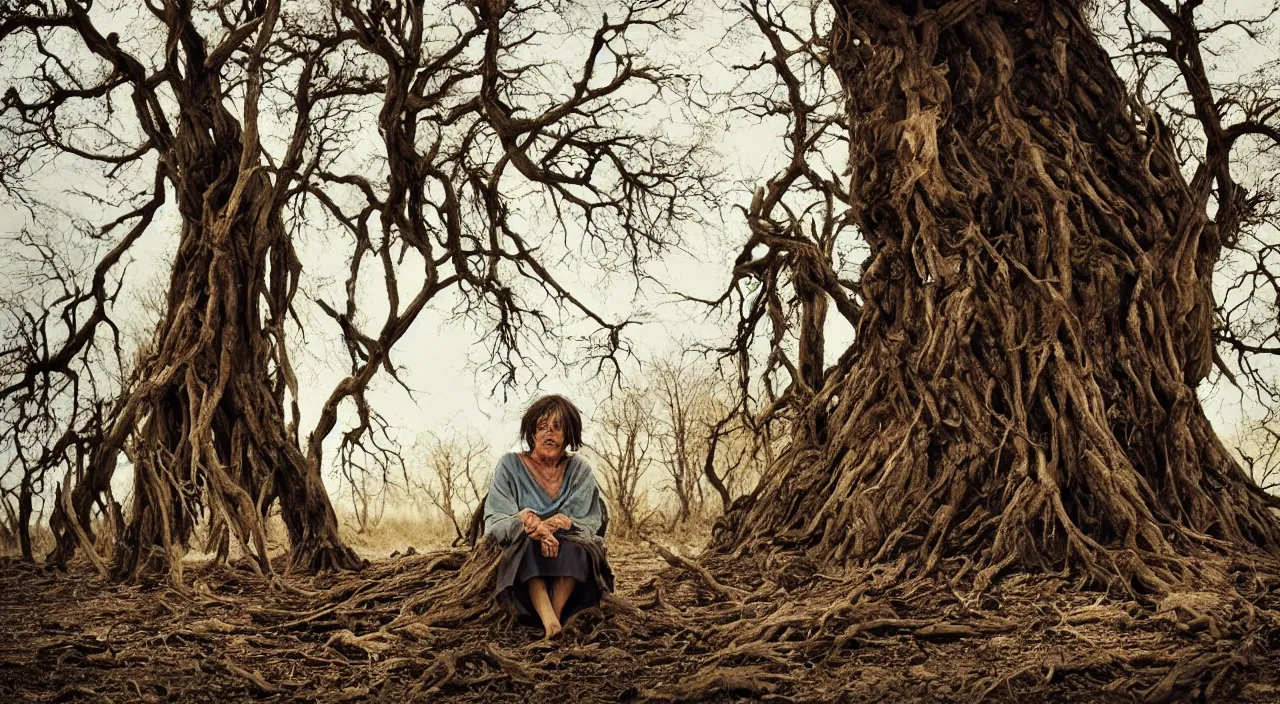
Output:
(310, 521)
(813, 319)
(1038, 316)
(204, 413)
(709, 471)
(25, 511)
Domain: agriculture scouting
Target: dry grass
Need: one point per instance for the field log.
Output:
(393, 533)
(398, 534)
(420, 530)
(41, 542)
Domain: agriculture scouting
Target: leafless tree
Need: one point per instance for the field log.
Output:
(483, 156)
(1223, 119)
(458, 471)
(368, 500)
(705, 440)
(735, 450)
(46, 430)
(795, 262)
(685, 399)
(1260, 452)
(622, 438)
(1037, 309)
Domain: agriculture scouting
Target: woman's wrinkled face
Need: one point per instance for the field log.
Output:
(548, 440)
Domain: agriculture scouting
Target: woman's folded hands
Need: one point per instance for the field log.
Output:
(529, 519)
(550, 546)
(544, 530)
(559, 522)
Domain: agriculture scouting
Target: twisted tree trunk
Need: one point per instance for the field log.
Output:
(25, 511)
(204, 415)
(1038, 317)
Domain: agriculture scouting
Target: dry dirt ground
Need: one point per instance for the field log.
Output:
(675, 634)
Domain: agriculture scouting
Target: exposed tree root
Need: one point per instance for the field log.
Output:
(425, 627)
(728, 593)
(253, 677)
(326, 558)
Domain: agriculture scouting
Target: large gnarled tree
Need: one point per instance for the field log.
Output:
(256, 120)
(1037, 309)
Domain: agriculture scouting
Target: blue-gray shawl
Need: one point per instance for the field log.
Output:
(514, 489)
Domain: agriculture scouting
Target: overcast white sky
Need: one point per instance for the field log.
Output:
(441, 359)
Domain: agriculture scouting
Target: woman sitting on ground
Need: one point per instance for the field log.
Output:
(544, 508)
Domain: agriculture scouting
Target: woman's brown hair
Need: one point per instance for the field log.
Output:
(553, 405)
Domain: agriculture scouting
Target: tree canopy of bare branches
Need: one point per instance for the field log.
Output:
(448, 147)
(795, 262)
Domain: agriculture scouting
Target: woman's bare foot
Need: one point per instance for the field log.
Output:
(552, 628)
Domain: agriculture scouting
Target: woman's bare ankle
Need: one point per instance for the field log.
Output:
(552, 628)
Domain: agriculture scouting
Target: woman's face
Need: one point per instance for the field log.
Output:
(548, 440)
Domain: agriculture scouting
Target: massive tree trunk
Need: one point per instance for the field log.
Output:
(204, 415)
(1037, 320)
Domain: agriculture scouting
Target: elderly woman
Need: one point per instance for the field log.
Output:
(544, 508)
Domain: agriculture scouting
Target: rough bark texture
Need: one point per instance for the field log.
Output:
(204, 414)
(24, 519)
(1038, 311)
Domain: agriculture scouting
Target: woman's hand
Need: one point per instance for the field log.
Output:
(529, 519)
(550, 546)
(559, 522)
(542, 532)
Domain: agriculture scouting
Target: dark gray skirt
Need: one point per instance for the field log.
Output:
(581, 557)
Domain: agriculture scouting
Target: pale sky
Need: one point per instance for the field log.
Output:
(442, 359)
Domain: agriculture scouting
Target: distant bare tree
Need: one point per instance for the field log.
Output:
(458, 470)
(706, 440)
(1259, 449)
(372, 469)
(368, 500)
(684, 395)
(623, 440)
